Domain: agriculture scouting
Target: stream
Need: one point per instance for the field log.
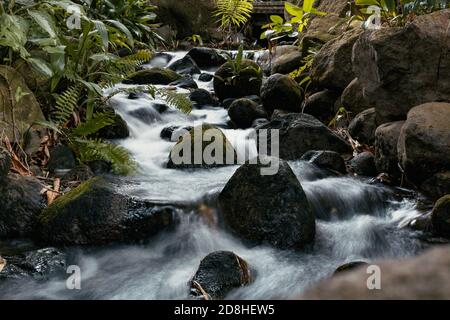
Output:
(366, 224)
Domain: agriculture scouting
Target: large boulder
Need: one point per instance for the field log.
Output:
(185, 65)
(20, 203)
(202, 97)
(230, 85)
(243, 112)
(281, 92)
(210, 141)
(386, 140)
(422, 277)
(437, 185)
(332, 65)
(321, 105)
(118, 130)
(363, 126)
(326, 160)
(353, 98)
(402, 67)
(61, 158)
(95, 214)
(440, 216)
(282, 59)
(363, 164)
(249, 208)
(218, 274)
(153, 75)
(206, 57)
(301, 132)
(424, 143)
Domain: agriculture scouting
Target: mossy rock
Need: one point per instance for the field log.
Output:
(349, 266)
(248, 82)
(153, 76)
(187, 142)
(440, 216)
(94, 214)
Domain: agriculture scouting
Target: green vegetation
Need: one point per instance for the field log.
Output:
(233, 14)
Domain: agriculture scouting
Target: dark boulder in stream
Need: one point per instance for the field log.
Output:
(185, 66)
(218, 274)
(281, 92)
(206, 57)
(95, 214)
(440, 216)
(327, 160)
(243, 112)
(153, 76)
(250, 209)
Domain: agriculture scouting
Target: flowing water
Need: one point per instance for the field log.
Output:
(357, 220)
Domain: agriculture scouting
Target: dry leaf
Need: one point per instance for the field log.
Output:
(53, 194)
(2, 264)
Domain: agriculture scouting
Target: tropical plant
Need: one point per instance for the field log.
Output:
(195, 39)
(233, 14)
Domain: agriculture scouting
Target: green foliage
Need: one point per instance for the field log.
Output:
(301, 75)
(233, 13)
(195, 39)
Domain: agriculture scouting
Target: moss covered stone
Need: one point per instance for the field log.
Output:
(93, 214)
(201, 133)
(153, 76)
(440, 216)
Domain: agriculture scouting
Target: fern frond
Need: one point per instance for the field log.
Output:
(176, 100)
(233, 12)
(93, 149)
(66, 103)
(98, 121)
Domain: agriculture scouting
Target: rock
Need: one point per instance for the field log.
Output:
(259, 122)
(244, 111)
(61, 158)
(218, 152)
(39, 264)
(250, 210)
(397, 73)
(94, 214)
(363, 164)
(206, 77)
(206, 57)
(281, 92)
(145, 114)
(153, 76)
(202, 98)
(185, 65)
(437, 185)
(118, 130)
(440, 216)
(5, 163)
(281, 59)
(167, 132)
(227, 103)
(187, 82)
(424, 143)
(363, 126)
(327, 160)
(332, 65)
(16, 118)
(386, 139)
(160, 59)
(135, 95)
(299, 133)
(79, 173)
(417, 278)
(353, 98)
(321, 105)
(350, 266)
(218, 274)
(20, 203)
(247, 83)
(100, 167)
(160, 107)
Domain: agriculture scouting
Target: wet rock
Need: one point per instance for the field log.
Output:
(167, 132)
(79, 173)
(61, 158)
(20, 203)
(386, 139)
(363, 164)
(160, 59)
(321, 104)
(185, 65)
(422, 277)
(187, 82)
(118, 130)
(332, 65)
(424, 143)
(160, 107)
(153, 76)
(94, 214)
(350, 266)
(363, 126)
(39, 264)
(259, 123)
(217, 149)
(100, 167)
(244, 111)
(135, 95)
(226, 85)
(5, 163)
(219, 273)
(281, 92)
(288, 62)
(440, 216)
(202, 98)
(326, 159)
(250, 210)
(146, 115)
(437, 185)
(299, 133)
(206, 77)
(206, 57)
(353, 98)
(397, 73)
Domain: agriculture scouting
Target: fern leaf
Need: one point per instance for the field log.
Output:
(93, 125)
(66, 103)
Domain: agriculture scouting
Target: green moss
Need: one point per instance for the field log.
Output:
(57, 207)
(154, 76)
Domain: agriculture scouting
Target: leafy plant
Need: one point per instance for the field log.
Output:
(233, 13)
(195, 39)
